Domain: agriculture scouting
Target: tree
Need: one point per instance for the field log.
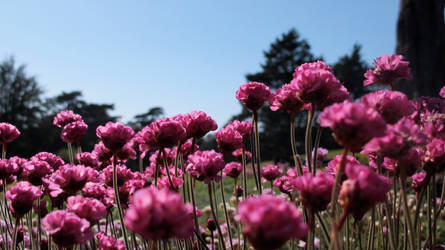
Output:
(421, 39)
(349, 69)
(284, 55)
(20, 105)
(144, 119)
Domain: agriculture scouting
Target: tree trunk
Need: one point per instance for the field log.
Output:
(421, 40)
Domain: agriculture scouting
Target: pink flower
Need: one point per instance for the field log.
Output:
(434, 158)
(35, 170)
(271, 172)
(434, 125)
(22, 196)
(66, 228)
(269, 221)
(125, 153)
(94, 190)
(315, 191)
(74, 131)
(238, 154)
(363, 189)
(353, 124)
(53, 160)
(114, 135)
(65, 117)
(442, 92)
(88, 159)
(123, 174)
(332, 166)
(322, 155)
(199, 124)
(8, 133)
(419, 181)
(88, 208)
(70, 179)
(164, 182)
(229, 139)
(253, 95)
(286, 99)
(387, 70)
(159, 214)
(101, 153)
(205, 165)
(7, 169)
(185, 149)
(109, 243)
(243, 127)
(316, 84)
(233, 169)
(165, 133)
(391, 105)
(17, 164)
(284, 184)
(129, 188)
(397, 140)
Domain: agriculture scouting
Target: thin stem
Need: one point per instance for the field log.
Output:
(308, 138)
(434, 209)
(243, 160)
(4, 151)
(310, 237)
(31, 237)
(164, 157)
(225, 212)
(407, 215)
(70, 153)
(340, 171)
(252, 160)
(141, 164)
(430, 239)
(14, 236)
(371, 231)
(221, 237)
(317, 144)
(118, 202)
(257, 150)
(295, 154)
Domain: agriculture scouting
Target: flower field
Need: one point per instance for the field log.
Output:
(383, 189)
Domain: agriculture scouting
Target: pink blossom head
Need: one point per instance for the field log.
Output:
(233, 169)
(88, 208)
(123, 174)
(333, 165)
(286, 99)
(315, 191)
(53, 160)
(71, 179)
(268, 221)
(35, 170)
(442, 92)
(271, 172)
(87, 159)
(205, 165)
(186, 149)
(353, 124)
(199, 124)
(126, 153)
(243, 127)
(129, 188)
(7, 169)
(229, 139)
(109, 243)
(284, 184)
(74, 131)
(8, 133)
(387, 70)
(22, 196)
(238, 154)
(174, 186)
(101, 153)
(164, 133)
(158, 214)
(363, 189)
(114, 135)
(398, 139)
(253, 95)
(434, 158)
(16, 165)
(66, 228)
(391, 105)
(94, 190)
(317, 65)
(322, 155)
(65, 117)
(419, 181)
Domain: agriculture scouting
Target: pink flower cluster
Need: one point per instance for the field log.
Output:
(387, 70)
(73, 127)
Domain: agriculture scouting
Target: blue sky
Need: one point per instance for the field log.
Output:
(180, 55)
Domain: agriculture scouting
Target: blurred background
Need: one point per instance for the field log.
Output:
(139, 61)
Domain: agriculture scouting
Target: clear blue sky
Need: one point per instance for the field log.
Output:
(180, 55)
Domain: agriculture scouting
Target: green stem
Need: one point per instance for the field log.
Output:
(221, 237)
(295, 154)
(317, 144)
(243, 160)
(225, 212)
(118, 202)
(70, 153)
(14, 236)
(4, 151)
(257, 150)
(371, 231)
(407, 214)
(308, 138)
